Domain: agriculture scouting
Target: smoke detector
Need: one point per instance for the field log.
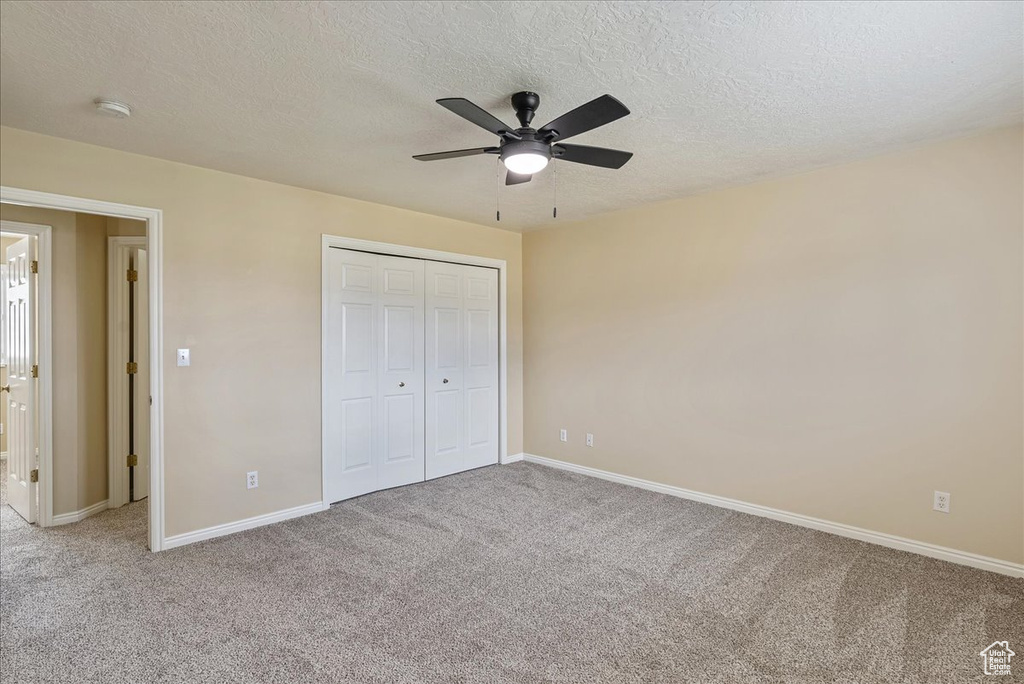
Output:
(113, 108)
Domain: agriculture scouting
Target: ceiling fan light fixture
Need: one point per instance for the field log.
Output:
(525, 157)
(525, 163)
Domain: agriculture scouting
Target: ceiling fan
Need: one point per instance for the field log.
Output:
(525, 151)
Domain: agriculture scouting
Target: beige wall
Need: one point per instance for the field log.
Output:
(91, 348)
(837, 344)
(242, 290)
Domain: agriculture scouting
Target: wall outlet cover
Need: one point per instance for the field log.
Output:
(252, 479)
(941, 502)
(590, 440)
(563, 435)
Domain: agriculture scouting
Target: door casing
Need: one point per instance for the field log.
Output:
(329, 242)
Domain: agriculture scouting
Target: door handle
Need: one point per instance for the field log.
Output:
(445, 381)
(5, 388)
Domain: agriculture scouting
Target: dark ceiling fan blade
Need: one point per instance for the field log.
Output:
(470, 112)
(456, 153)
(604, 109)
(594, 156)
(516, 178)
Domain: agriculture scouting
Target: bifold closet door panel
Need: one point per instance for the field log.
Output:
(462, 368)
(444, 410)
(373, 373)
(480, 363)
(402, 370)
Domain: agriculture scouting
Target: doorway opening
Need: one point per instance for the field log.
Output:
(128, 398)
(68, 324)
(92, 361)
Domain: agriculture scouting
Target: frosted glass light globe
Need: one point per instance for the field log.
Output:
(525, 163)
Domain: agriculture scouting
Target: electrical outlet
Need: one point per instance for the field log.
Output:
(252, 479)
(941, 502)
(563, 435)
(590, 439)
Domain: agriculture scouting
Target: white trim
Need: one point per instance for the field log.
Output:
(3, 455)
(154, 237)
(241, 525)
(44, 357)
(76, 516)
(514, 458)
(329, 241)
(118, 258)
(880, 538)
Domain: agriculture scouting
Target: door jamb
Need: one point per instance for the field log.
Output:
(154, 246)
(335, 241)
(44, 357)
(118, 254)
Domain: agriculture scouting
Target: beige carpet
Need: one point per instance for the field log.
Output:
(506, 574)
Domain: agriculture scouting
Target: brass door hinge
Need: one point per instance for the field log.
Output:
(133, 276)
(34, 475)
(133, 460)
(35, 266)
(35, 370)
(132, 368)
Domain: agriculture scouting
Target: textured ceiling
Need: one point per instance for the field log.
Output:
(338, 96)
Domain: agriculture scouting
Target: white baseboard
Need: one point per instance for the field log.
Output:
(514, 458)
(3, 455)
(880, 538)
(240, 525)
(76, 516)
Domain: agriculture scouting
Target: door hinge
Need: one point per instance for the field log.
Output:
(133, 460)
(35, 266)
(35, 370)
(34, 475)
(133, 276)
(132, 368)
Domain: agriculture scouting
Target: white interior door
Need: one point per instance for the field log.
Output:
(462, 368)
(20, 388)
(373, 373)
(140, 323)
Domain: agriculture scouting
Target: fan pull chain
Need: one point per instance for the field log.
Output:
(554, 185)
(497, 191)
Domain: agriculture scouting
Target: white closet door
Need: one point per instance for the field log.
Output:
(462, 368)
(374, 370)
(400, 381)
(480, 364)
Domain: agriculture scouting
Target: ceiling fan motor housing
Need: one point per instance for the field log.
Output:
(530, 144)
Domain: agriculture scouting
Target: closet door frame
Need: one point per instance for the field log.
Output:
(329, 242)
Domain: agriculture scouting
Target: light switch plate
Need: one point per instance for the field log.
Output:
(183, 357)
